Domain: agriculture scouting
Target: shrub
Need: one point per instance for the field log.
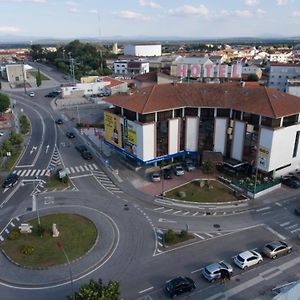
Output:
(208, 167)
(27, 250)
(14, 234)
(170, 236)
(183, 234)
(65, 179)
(40, 230)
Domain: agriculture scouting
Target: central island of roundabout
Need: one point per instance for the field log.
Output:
(56, 240)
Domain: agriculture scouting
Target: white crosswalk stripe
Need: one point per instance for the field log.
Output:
(91, 167)
(15, 171)
(27, 173)
(95, 166)
(81, 168)
(86, 167)
(19, 172)
(43, 172)
(72, 170)
(77, 169)
(33, 172)
(23, 172)
(38, 172)
(68, 171)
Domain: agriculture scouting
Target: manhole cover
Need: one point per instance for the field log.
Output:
(217, 226)
(208, 213)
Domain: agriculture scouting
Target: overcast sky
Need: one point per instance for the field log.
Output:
(197, 19)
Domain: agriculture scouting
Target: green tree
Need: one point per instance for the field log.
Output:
(15, 138)
(95, 290)
(38, 78)
(208, 167)
(4, 103)
(253, 77)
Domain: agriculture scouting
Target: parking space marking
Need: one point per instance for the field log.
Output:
(198, 270)
(176, 212)
(292, 226)
(210, 235)
(285, 224)
(168, 210)
(186, 213)
(159, 208)
(264, 208)
(276, 233)
(195, 214)
(199, 236)
(146, 290)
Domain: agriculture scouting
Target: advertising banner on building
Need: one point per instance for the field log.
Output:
(263, 157)
(112, 129)
(130, 133)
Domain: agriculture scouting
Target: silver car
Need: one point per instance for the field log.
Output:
(213, 271)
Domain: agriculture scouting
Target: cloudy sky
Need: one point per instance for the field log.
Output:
(194, 18)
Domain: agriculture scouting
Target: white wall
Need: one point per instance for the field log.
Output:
(191, 133)
(142, 50)
(238, 140)
(220, 136)
(174, 136)
(87, 88)
(146, 134)
(281, 142)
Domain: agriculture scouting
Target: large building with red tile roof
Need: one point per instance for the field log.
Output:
(246, 122)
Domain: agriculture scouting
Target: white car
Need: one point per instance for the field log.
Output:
(178, 170)
(1, 133)
(31, 94)
(247, 259)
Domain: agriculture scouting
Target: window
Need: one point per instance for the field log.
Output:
(190, 111)
(296, 144)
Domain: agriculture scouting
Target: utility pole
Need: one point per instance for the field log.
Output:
(23, 71)
(100, 51)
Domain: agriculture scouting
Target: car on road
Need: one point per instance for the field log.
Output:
(189, 165)
(81, 148)
(247, 259)
(31, 94)
(290, 182)
(178, 170)
(155, 177)
(87, 155)
(70, 134)
(52, 94)
(179, 285)
(297, 211)
(167, 173)
(1, 133)
(59, 121)
(277, 248)
(10, 180)
(213, 271)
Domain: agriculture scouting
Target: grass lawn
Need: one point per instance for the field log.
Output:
(34, 74)
(179, 239)
(76, 233)
(194, 193)
(55, 182)
(11, 160)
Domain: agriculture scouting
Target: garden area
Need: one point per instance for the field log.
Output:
(172, 238)
(203, 191)
(55, 181)
(39, 248)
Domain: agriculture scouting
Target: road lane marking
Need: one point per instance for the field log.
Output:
(198, 270)
(81, 168)
(43, 172)
(15, 171)
(77, 169)
(68, 171)
(176, 212)
(264, 208)
(72, 169)
(27, 173)
(195, 214)
(292, 226)
(276, 233)
(199, 236)
(146, 290)
(278, 204)
(80, 176)
(295, 230)
(86, 167)
(33, 172)
(19, 172)
(285, 224)
(158, 208)
(38, 172)
(168, 210)
(186, 213)
(95, 166)
(23, 172)
(210, 235)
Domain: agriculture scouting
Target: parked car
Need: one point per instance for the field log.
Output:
(81, 148)
(87, 155)
(70, 134)
(178, 170)
(1, 133)
(291, 182)
(52, 94)
(31, 94)
(275, 249)
(247, 259)
(155, 177)
(10, 180)
(179, 285)
(167, 173)
(59, 121)
(297, 211)
(190, 166)
(213, 271)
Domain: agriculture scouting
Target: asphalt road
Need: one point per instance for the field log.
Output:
(137, 261)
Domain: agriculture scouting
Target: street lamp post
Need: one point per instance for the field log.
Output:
(162, 181)
(61, 246)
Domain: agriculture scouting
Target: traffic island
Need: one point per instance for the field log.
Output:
(56, 181)
(204, 191)
(35, 244)
(172, 238)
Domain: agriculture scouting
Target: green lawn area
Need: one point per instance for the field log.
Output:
(76, 233)
(11, 160)
(55, 182)
(34, 74)
(195, 193)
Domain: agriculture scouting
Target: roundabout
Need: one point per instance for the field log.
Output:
(53, 269)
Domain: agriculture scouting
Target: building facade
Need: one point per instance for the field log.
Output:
(130, 67)
(142, 50)
(246, 123)
(280, 74)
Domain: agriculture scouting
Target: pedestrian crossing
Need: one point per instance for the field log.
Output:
(290, 225)
(43, 172)
(105, 181)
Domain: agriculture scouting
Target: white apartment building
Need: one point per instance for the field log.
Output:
(142, 50)
(280, 74)
(280, 57)
(130, 67)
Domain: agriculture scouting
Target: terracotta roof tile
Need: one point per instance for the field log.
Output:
(252, 98)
